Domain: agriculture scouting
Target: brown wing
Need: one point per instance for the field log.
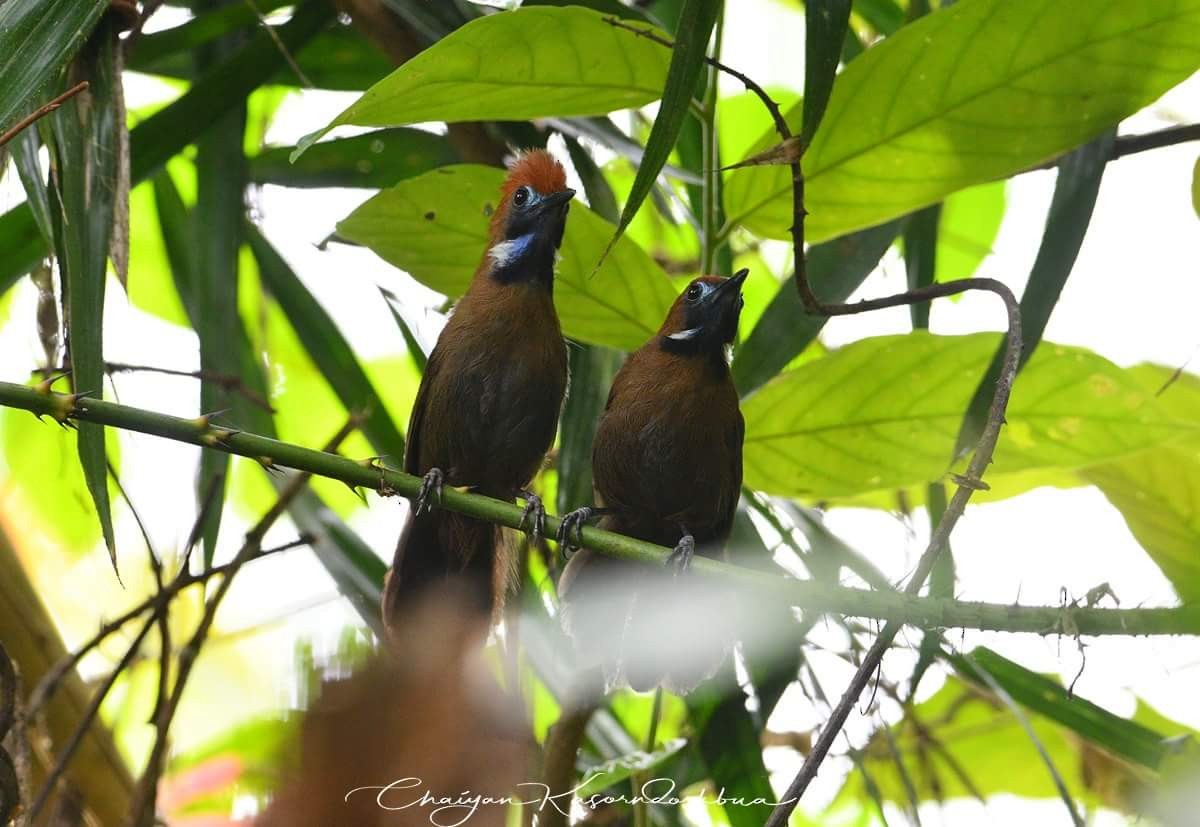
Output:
(412, 448)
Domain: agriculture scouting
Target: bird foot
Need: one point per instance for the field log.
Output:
(431, 483)
(535, 513)
(569, 528)
(681, 558)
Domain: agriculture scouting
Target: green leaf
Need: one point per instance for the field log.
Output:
(86, 138)
(970, 222)
(327, 347)
(334, 59)
(217, 236)
(884, 16)
(25, 149)
(1070, 214)
(696, 21)
(37, 38)
(1049, 698)
(43, 476)
(375, 160)
(601, 198)
(22, 243)
(209, 25)
(1196, 187)
(221, 88)
(592, 371)
(151, 287)
(990, 88)
(616, 770)
(963, 743)
(835, 269)
(1158, 491)
(172, 128)
(826, 23)
(557, 62)
(920, 257)
(434, 227)
(883, 413)
(728, 743)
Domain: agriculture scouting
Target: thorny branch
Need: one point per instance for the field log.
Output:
(226, 381)
(967, 484)
(813, 596)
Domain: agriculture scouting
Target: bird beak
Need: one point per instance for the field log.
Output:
(727, 289)
(549, 203)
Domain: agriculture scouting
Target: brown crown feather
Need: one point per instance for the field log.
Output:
(536, 168)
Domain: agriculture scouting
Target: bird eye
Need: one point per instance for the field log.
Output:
(694, 292)
(521, 196)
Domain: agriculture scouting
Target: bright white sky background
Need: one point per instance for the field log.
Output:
(1134, 296)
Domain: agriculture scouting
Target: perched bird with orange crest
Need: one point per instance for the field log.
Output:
(667, 468)
(488, 406)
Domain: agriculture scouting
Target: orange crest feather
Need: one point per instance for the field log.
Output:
(536, 168)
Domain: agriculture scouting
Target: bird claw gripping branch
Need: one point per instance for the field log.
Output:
(432, 483)
(569, 528)
(535, 513)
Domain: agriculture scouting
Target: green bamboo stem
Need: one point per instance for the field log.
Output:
(925, 612)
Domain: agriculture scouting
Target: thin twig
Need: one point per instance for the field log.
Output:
(279, 45)
(50, 682)
(772, 107)
(226, 381)
(1131, 144)
(85, 722)
(145, 797)
(42, 111)
(164, 613)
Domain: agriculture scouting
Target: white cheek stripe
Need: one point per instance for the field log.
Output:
(503, 252)
(684, 335)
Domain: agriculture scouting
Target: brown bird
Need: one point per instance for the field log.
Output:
(667, 467)
(489, 401)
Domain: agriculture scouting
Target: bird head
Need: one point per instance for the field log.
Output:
(705, 316)
(527, 228)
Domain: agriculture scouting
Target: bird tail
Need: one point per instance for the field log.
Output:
(642, 625)
(439, 547)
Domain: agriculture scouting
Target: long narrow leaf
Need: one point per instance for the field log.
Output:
(171, 129)
(1047, 697)
(327, 347)
(696, 21)
(37, 38)
(376, 160)
(920, 257)
(86, 140)
(221, 174)
(826, 23)
(459, 78)
(1070, 213)
(592, 370)
(221, 88)
(357, 571)
(729, 745)
(25, 151)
